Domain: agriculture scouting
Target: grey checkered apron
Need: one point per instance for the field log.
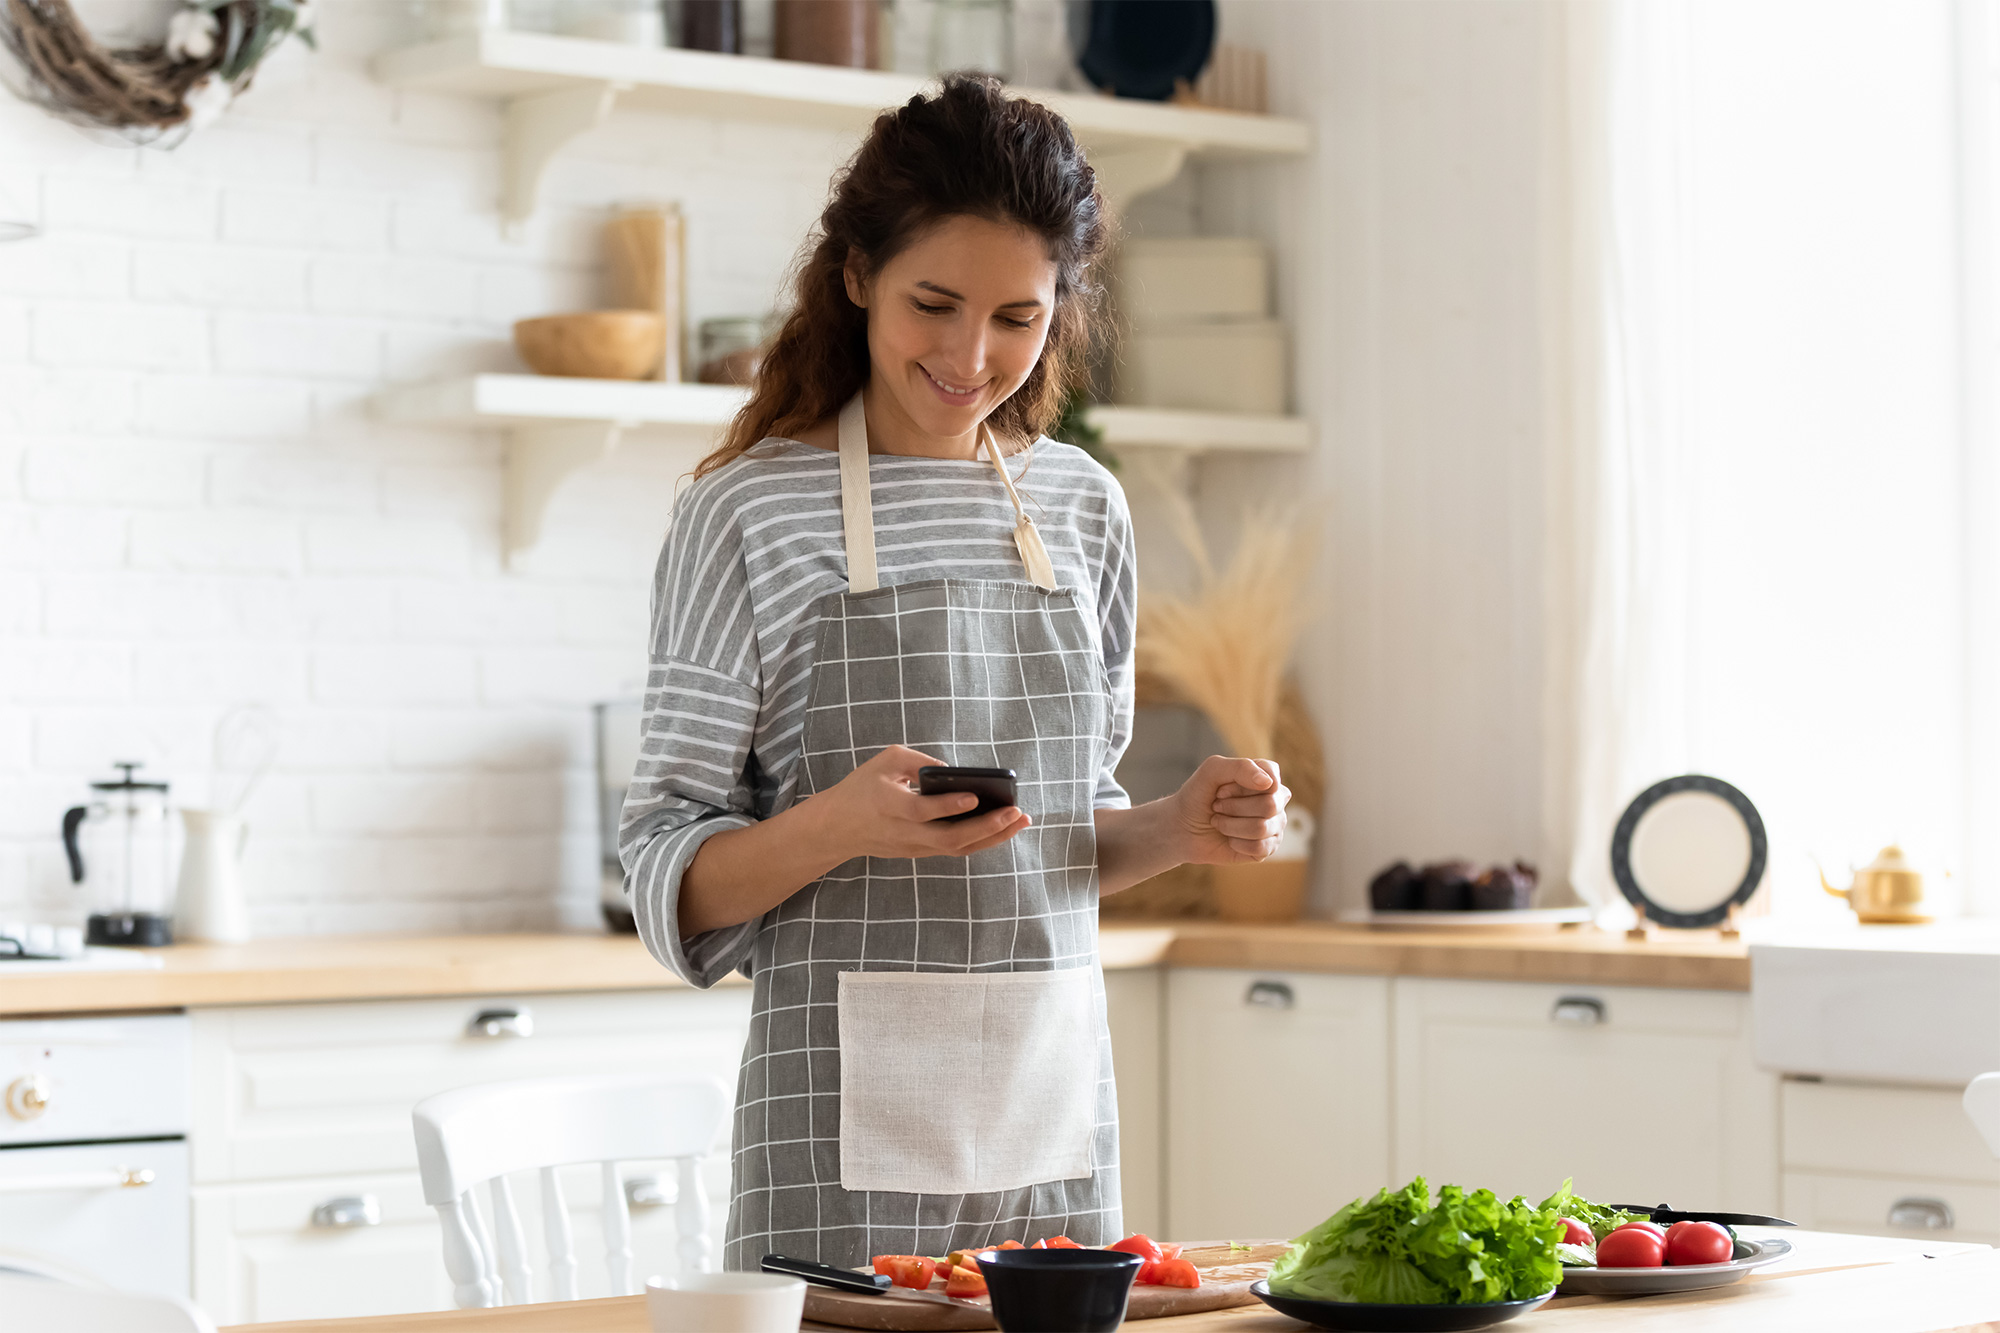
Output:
(976, 673)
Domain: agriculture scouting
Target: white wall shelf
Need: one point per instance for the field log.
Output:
(557, 87)
(556, 426)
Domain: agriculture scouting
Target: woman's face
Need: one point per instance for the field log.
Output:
(957, 321)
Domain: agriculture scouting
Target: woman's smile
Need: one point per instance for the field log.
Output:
(952, 393)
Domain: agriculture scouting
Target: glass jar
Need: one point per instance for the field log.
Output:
(973, 35)
(732, 349)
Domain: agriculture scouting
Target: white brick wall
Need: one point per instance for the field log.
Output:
(197, 512)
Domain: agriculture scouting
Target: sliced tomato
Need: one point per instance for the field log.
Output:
(1168, 1250)
(965, 1282)
(1174, 1273)
(1141, 1245)
(1144, 1277)
(906, 1270)
(1010, 1245)
(1039, 1245)
(960, 1259)
(1063, 1243)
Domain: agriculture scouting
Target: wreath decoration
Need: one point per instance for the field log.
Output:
(185, 82)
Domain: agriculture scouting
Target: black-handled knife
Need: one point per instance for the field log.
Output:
(846, 1279)
(1665, 1214)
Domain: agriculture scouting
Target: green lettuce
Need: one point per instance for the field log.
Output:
(1602, 1221)
(1399, 1248)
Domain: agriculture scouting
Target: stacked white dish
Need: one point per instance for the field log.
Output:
(1202, 336)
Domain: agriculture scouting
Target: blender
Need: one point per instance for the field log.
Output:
(120, 850)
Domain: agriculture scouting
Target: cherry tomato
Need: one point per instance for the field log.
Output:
(1631, 1247)
(1653, 1227)
(1141, 1245)
(1698, 1243)
(1576, 1233)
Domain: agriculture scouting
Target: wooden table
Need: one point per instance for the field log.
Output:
(1832, 1284)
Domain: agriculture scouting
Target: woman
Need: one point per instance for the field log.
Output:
(853, 589)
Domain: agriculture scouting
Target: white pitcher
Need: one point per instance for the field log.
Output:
(209, 904)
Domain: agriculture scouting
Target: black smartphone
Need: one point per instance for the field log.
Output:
(993, 786)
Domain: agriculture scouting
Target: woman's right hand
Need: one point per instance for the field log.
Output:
(876, 811)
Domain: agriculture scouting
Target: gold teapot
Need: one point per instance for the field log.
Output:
(1886, 891)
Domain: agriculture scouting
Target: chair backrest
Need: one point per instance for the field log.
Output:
(48, 1303)
(1982, 1107)
(480, 1134)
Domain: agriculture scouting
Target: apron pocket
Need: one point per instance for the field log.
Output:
(957, 1083)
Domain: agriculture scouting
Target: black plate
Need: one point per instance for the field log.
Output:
(1628, 824)
(1356, 1317)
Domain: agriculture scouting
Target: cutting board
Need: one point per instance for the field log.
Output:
(1226, 1275)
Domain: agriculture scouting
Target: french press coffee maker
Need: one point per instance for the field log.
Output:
(120, 850)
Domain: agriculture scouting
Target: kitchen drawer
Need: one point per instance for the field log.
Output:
(1278, 1099)
(1868, 1129)
(1828, 1201)
(1133, 1001)
(259, 1256)
(1639, 1094)
(326, 1089)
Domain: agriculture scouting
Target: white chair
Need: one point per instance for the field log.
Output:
(47, 1303)
(1982, 1106)
(485, 1132)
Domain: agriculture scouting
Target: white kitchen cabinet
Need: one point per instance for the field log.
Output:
(1887, 1161)
(1133, 1001)
(1641, 1095)
(1278, 1099)
(261, 1256)
(325, 1089)
(297, 1105)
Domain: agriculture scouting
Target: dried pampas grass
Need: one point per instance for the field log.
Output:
(1224, 649)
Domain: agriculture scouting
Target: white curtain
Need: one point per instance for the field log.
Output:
(1765, 476)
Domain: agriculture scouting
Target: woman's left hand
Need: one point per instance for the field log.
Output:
(1232, 810)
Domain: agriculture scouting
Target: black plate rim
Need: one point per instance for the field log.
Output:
(1261, 1289)
(1628, 823)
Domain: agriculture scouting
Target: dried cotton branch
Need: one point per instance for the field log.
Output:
(1225, 649)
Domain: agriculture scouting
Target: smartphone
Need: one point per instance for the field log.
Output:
(993, 786)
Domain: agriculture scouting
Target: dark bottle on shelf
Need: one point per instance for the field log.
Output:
(712, 25)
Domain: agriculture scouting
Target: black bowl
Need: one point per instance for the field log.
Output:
(1355, 1316)
(1058, 1291)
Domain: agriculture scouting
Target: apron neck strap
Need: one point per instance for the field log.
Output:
(1027, 538)
(857, 519)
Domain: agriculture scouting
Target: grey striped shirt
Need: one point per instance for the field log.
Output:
(751, 549)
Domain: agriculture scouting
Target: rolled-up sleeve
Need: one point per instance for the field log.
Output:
(701, 708)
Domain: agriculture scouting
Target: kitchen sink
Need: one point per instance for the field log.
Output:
(1896, 1004)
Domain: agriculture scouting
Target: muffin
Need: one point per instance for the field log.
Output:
(1395, 889)
(1446, 886)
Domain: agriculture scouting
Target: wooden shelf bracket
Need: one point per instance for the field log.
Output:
(537, 128)
(539, 459)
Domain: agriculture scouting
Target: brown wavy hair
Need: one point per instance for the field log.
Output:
(968, 149)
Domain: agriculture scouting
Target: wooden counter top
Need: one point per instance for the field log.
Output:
(362, 967)
(1868, 1285)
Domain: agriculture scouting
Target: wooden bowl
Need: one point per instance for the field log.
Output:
(593, 344)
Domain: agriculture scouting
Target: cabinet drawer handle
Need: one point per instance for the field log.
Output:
(1578, 1011)
(1270, 995)
(1921, 1215)
(488, 1023)
(348, 1211)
